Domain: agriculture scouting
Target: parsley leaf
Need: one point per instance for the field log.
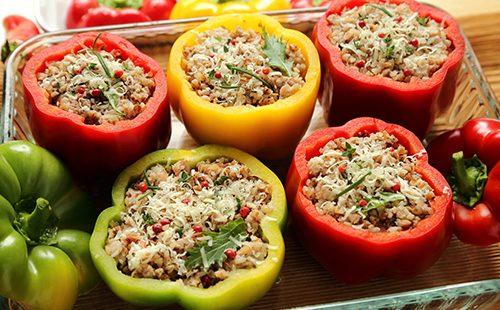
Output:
(148, 219)
(389, 51)
(221, 180)
(275, 50)
(184, 177)
(238, 202)
(349, 150)
(226, 49)
(422, 20)
(211, 74)
(205, 255)
(387, 39)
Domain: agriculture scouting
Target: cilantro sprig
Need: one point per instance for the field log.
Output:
(204, 255)
(275, 50)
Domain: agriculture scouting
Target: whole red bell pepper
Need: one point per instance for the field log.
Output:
(346, 92)
(18, 29)
(301, 4)
(353, 255)
(96, 150)
(466, 155)
(91, 13)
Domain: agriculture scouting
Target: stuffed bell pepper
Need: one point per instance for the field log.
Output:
(395, 60)
(200, 228)
(97, 102)
(244, 81)
(92, 13)
(470, 157)
(365, 201)
(200, 8)
(44, 247)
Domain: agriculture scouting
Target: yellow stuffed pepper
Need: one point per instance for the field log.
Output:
(199, 8)
(245, 81)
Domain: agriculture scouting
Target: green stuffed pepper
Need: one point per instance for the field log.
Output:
(201, 228)
(44, 251)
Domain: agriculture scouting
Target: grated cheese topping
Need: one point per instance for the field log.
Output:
(209, 64)
(79, 83)
(172, 209)
(384, 39)
(369, 183)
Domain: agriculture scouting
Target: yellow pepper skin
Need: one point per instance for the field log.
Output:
(269, 132)
(243, 286)
(199, 8)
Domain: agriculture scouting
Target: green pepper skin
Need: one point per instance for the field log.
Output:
(42, 275)
(240, 289)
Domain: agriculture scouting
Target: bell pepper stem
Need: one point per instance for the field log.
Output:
(466, 178)
(35, 223)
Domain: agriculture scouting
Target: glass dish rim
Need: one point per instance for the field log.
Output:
(474, 288)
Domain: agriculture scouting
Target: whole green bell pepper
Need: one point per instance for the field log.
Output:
(42, 265)
(241, 288)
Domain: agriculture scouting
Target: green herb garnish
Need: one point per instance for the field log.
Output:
(225, 85)
(180, 231)
(387, 39)
(211, 74)
(148, 219)
(275, 50)
(409, 49)
(362, 17)
(226, 49)
(221, 180)
(113, 101)
(245, 71)
(356, 44)
(381, 9)
(91, 65)
(99, 56)
(422, 20)
(389, 51)
(148, 182)
(205, 255)
(383, 200)
(184, 177)
(353, 185)
(349, 150)
(238, 202)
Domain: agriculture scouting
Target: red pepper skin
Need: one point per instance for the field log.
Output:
(158, 9)
(77, 9)
(346, 93)
(19, 29)
(96, 150)
(355, 256)
(104, 15)
(301, 4)
(480, 136)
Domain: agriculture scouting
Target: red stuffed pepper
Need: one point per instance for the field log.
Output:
(19, 29)
(470, 157)
(395, 60)
(365, 201)
(97, 102)
(90, 13)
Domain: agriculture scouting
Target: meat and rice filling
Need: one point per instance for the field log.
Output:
(369, 183)
(390, 40)
(193, 225)
(243, 67)
(98, 85)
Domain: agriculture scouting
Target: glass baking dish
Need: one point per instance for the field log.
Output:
(464, 277)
